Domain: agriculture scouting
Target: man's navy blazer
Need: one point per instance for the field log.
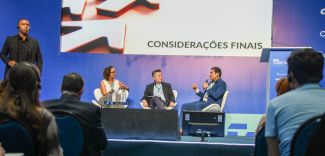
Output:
(215, 93)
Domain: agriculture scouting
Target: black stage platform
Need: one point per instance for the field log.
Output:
(187, 146)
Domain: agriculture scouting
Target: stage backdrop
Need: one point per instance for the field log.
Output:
(299, 23)
(184, 38)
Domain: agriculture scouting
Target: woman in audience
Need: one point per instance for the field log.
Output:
(282, 86)
(109, 84)
(20, 99)
(3, 84)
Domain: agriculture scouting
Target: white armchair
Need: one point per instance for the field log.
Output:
(98, 94)
(216, 107)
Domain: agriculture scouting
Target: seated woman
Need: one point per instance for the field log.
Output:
(111, 86)
(20, 100)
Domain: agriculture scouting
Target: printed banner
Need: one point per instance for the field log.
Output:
(167, 27)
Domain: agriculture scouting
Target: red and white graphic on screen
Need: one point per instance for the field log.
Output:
(96, 26)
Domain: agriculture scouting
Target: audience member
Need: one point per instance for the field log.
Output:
(88, 114)
(287, 112)
(282, 86)
(20, 99)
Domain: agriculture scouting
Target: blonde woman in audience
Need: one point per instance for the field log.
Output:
(282, 86)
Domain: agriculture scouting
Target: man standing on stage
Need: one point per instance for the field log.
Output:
(21, 48)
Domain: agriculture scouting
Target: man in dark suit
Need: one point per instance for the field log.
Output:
(21, 48)
(88, 114)
(158, 95)
(212, 93)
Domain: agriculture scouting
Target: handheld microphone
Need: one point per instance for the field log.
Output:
(207, 82)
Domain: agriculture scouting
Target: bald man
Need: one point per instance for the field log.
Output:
(21, 48)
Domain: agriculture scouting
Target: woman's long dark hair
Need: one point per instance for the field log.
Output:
(20, 99)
